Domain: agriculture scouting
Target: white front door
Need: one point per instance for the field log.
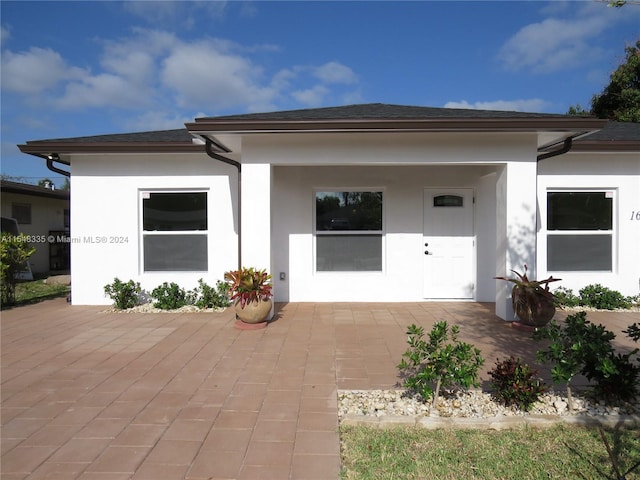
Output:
(448, 243)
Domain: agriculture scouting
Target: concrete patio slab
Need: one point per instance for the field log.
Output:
(165, 396)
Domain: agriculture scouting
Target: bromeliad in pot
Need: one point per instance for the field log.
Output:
(532, 301)
(250, 292)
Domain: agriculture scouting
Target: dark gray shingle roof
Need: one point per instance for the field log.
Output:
(178, 135)
(614, 131)
(380, 111)
(617, 131)
(34, 190)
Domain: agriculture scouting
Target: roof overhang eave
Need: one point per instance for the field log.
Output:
(65, 148)
(520, 124)
(34, 191)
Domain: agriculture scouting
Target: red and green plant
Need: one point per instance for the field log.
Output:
(248, 285)
(516, 384)
(532, 301)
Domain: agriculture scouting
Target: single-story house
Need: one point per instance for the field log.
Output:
(41, 213)
(358, 203)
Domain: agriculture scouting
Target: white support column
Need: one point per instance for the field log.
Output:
(256, 216)
(516, 223)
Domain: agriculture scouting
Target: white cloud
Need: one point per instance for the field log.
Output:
(201, 74)
(282, 80)
(103, 90)
(311, 97)
(352, 97)
(525, 105)
(157, 120)
(334, 72)
(170, 12)
(157, 71)
(556, 43)
(36, 70)
(551, 45)
(5, 33)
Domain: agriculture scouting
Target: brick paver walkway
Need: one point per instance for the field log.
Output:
(90, 395)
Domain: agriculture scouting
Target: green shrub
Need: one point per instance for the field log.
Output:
(634, 301)
(443, 361)
(602, 298)
(206, 296)
(516, 384)
(586, 348)
(14, 254)
(169, 296)
(615, 377)
(633, 332)
(564, 297)
(124, 295)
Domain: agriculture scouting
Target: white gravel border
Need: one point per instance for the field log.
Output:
(475, 409)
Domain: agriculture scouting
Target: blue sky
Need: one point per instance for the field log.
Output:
(87, 68)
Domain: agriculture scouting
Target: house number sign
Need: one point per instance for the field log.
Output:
(635, 215)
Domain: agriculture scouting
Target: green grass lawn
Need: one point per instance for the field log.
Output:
(561, 452)
(37, 290)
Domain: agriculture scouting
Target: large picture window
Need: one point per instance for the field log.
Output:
(580, 231)
(175, 228)
(349, 231)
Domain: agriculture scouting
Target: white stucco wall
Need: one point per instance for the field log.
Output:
(615, 172)
(106, 219)
(280, 174)
(515, 228)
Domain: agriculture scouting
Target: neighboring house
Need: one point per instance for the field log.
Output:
(358, 203)
(43, 215)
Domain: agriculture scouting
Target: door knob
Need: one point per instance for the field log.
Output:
(426, 252)
(426, 244)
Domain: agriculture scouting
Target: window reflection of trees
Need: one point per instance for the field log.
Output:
(349, 211)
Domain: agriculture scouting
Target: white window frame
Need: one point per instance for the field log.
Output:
(613, 232)
(381, 232)
(144, 233)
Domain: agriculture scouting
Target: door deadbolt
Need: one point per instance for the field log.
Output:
(426, 252)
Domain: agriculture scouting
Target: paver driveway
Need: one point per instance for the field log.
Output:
(91, 395)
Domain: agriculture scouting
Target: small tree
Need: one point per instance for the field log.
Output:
(563, 351)
(586, 348)
(46, 183)
(443, 361)
(14, 254)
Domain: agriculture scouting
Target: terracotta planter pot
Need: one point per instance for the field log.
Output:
(253, 312)
(534, 310)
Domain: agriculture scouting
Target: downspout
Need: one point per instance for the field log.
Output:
(554, 153)
(209, 149)
(54, 157)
